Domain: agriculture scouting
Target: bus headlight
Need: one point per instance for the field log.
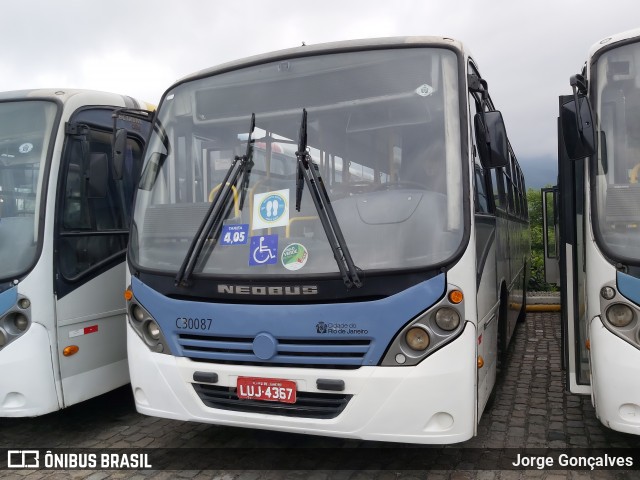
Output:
(447, 319)
(619, 315)
(607, 293)
(24, 303)
(21, 322)
(15, 323)
(146, 327)
(417, 338)
(428, 331)
(137, 313)
(153, 330)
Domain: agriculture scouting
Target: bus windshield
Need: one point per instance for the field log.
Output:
(383, 130)
(25, 131)
(617, 191)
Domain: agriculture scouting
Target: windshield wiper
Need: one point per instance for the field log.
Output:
(308, 172)
(248, 163)
(212, 221)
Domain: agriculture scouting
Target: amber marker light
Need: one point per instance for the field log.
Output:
(480, 361)
(455, 296)
(587, 344)
(128, 294)
(70, 350)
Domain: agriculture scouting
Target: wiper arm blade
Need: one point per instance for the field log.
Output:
(301, 155)
(214, 217)
(248, 162)
(308, 172)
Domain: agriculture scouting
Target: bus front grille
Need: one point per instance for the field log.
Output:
(308, 404)
(329, 353)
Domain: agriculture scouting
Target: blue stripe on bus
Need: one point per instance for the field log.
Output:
(8, 299)
(342, 334)
(629, 287)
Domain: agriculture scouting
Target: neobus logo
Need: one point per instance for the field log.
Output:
(260, 290)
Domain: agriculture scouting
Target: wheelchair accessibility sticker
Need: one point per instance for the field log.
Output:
(263, 250)
(271, 209)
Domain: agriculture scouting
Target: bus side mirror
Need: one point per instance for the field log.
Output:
(151, 171)
(491, 138)
(119, 149)
(578, 133)
(97, 176)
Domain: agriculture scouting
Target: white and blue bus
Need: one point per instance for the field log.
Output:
(331, 239)
(598, 216)
(65, 208)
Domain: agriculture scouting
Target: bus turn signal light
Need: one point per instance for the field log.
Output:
(70, 350)
(128, 294)
(480, 361)
(455, 296)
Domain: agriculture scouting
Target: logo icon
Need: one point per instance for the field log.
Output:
(23, 459)
(263, 250)
(25, 147)
(294, 256)
(271, 209)
(321, 327)
(424, 90)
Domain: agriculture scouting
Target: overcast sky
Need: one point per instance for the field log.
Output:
(525, 50)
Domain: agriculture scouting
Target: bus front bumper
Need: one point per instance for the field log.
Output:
(615, 379)
(434, 402)
(27, 388)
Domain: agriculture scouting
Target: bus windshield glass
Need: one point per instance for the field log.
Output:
(616, 90)
(383, 130)
(25, 131)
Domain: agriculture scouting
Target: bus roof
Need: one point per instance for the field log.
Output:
(65, 94)
(322, 48)
(612, 39)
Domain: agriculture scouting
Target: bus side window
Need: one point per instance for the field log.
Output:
(93, 229)
(75, 211)
(497, 187)
(482, 179)
(482, 201)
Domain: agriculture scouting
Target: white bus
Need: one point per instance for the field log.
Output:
(65, 208)
(356, 275)
(599, 238)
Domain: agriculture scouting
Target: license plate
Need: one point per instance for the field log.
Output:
(266, 389)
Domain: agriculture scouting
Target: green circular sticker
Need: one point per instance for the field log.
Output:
(294, 256)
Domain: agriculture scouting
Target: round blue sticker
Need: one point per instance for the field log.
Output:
(272, 207)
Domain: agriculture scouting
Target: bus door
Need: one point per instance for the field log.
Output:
(92, 221)
(569, 209)
(550, 235)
